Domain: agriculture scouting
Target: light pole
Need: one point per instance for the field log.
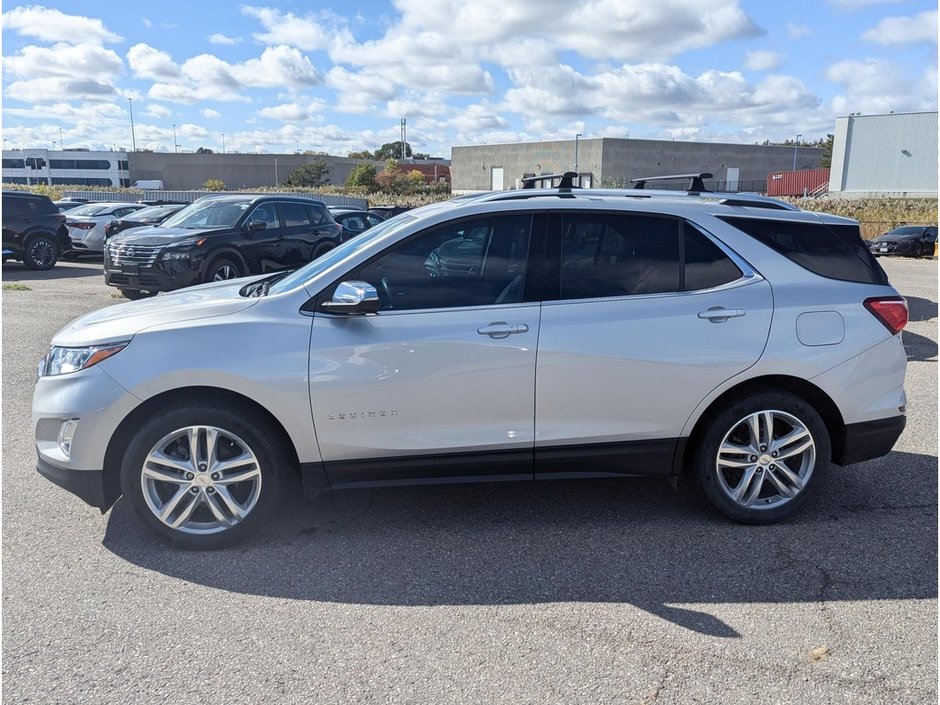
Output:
(175, 146)
(275, 172)
(576, 145)
(61, 143)
(130, 109)
(223, 143)
(795, 147)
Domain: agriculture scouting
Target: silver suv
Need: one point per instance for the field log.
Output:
(521, 335)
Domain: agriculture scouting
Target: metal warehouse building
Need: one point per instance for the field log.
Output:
(885, 155)
(613, 162)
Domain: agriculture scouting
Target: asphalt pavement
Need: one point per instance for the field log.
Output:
(600, 591)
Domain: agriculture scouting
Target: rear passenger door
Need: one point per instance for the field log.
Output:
(643, 317)
(297, 235)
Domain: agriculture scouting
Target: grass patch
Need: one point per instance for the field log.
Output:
(16, 287)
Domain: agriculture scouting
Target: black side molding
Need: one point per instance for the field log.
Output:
(85, 484)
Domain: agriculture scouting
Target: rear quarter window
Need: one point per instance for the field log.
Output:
(832, 251)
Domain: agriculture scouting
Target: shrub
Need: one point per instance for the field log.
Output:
(214, 185)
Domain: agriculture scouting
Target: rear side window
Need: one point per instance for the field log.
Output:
(612, 254)
(316, 214)
(36, 206)
(11, 206)
(293, 214)
(706, 266)
(833, 251)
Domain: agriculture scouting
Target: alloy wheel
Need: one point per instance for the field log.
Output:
(201, 480)
(765, 460)
(42, 253)
(226, 271)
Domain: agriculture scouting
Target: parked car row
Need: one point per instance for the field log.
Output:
(166, 246)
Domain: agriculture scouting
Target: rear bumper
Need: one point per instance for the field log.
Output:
(867, 440)
(85, 484)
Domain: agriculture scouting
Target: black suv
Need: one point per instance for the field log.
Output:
(33, 230)
(217, 238)
(908, 240)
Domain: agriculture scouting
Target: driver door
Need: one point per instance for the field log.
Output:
(440, 383)
(263, 249)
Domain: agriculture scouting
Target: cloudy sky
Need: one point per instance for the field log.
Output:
(338, 76)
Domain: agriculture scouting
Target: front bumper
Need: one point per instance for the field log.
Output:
(148, 278)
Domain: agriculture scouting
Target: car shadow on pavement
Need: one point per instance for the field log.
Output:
(921, 309)
(16, 272)
(869, 534)
(919, 347)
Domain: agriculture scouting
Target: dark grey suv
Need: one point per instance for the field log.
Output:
(33, 230)
(218, 238)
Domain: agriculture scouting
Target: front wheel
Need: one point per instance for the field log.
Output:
(759, 459)
(203, 476)
(41, 253)
(222, 269)
(135, 294)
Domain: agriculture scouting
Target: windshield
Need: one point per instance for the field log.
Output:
(147, 214)
(86, 210)
(904, 231)
(340, 253)
(211, 214)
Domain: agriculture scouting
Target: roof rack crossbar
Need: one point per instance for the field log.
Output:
(566, 180)
(696, 181)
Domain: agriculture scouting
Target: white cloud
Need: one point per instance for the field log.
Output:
(52, 90)
(210, 114)
(277, 66)
(762, 60)
(881, 86)
(75, 61)
(155, 110)
(797, 31)
(53, 26)
(293, 112)
(219, 38)
(85, 113)
(311, 32)
(921, 27)
(147, 62)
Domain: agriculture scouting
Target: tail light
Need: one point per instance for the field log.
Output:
(79, 225)
(891, 311)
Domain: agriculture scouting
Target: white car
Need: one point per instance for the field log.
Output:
(520, 335)
(86, 224)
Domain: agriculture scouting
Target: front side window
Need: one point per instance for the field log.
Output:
(266, 213)
(616, 254)
(476, 262)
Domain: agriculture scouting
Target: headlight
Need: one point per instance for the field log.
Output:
(61, 361)
(170, 256)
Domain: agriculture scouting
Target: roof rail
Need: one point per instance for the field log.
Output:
(696, 181)
(566, 180)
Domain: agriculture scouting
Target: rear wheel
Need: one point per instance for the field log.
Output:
(759, 459)
(321, 250)
(221, 269)
(41, 253)
(203, 476)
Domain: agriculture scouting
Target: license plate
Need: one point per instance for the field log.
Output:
(883, 248)
(133, 269)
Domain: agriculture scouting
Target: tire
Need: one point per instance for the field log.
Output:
(211, 509)
(321, 250)
(136, 294)
(41, 253)
(753, 486)
(221, 269)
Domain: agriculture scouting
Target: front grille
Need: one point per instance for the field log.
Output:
(144, 280)
(133, 254)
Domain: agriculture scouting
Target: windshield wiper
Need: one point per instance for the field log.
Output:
(260, 288)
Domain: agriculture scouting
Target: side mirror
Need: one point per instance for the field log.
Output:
(256, 225)
(353, 298)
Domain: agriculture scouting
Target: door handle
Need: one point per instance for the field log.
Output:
(501, 329)
(720, 314)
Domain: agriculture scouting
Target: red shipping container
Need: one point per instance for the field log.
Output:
(796, 183)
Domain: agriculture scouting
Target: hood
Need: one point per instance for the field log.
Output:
(123, 321)
(154, 235)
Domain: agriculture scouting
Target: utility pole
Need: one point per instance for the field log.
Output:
(795, 147)
(61, 143)
(175, 146)
(223, 143)
(576, 144)
(275, 172)
(130, 109)
(404, 135)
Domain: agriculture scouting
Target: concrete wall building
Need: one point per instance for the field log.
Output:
(885, 155)
(613, 162)
(44, 166)
(190, 171)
